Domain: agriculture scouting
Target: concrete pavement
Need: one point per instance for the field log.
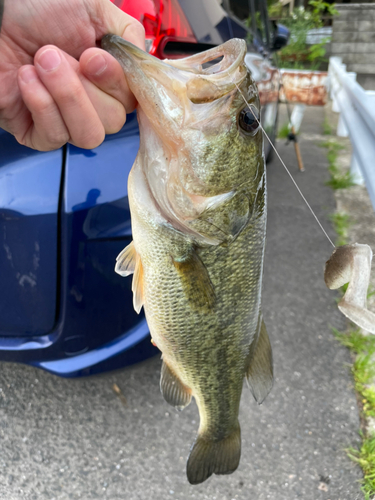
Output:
(76, 439)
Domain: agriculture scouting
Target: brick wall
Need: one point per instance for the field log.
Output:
(353, 39)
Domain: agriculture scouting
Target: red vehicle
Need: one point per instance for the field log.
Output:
(178, 28)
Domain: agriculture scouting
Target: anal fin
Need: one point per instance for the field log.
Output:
(259, 374)
(209, 457)
(174, 391)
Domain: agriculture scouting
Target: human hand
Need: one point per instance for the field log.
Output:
(49, 97)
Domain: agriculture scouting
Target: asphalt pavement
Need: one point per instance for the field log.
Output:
(78, 439)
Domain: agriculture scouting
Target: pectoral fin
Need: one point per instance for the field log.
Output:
(259, 374)
(126, 261)
(174, 391)
(195, 281)
(137, 285)
(129, 262)
(352, 264)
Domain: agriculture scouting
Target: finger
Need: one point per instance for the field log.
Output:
(134, 32)
(117, 22)
(110, 110)
(45, 129)
(62, 82)
(106, 73)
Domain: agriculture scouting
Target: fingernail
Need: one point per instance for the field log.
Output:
(27, 74)
(96, 65)
(49, 59)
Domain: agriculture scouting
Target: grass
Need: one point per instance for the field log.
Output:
(327, 129)
(363, 370)
(332, 144)
(283, 131)
(371, 292)
(341, 223)
(338, 180)
(365, 457)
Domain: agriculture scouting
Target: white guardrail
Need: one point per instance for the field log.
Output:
(357, 120)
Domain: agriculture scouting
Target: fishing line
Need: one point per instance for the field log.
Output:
(286, 168)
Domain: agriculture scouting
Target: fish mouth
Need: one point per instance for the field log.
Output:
(206, 76)
(182, 104)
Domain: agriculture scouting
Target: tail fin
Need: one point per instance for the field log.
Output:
(209, 457)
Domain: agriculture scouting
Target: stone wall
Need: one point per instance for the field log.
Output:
(353, 39)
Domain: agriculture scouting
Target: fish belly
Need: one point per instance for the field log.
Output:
(206, 345)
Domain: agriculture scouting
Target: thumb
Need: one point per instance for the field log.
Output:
(110, 19)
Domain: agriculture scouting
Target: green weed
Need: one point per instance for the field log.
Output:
(332, 145)
(363, 371)
(283, 131)
(371, 291)
(338, 180)
(327, 129)
(365, 457)
(341, 223)
(353, 340)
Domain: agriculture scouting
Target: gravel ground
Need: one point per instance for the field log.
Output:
(70, 439)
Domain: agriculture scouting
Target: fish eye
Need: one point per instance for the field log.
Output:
(248, 120)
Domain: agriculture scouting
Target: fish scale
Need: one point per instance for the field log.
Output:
(197, 194)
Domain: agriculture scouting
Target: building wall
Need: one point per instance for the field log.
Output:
(353, 39)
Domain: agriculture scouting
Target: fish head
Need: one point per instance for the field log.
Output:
(199, 124)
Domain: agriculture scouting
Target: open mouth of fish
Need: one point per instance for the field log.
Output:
(197, 95)
(209, 75)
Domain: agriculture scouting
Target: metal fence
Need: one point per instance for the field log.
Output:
(357, 120)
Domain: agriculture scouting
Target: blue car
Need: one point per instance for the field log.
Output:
(64, 215)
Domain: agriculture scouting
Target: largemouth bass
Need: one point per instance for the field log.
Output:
(197, 193)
